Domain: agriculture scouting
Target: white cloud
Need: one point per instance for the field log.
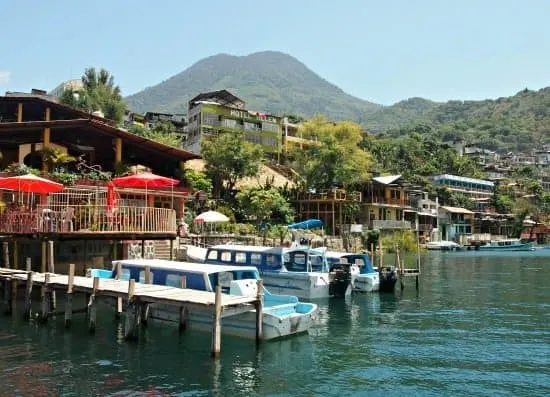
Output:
(4, 77)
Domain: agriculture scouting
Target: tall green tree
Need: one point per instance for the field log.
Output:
(229, 158)
(265, 205)
(336, 159)
(99, 93)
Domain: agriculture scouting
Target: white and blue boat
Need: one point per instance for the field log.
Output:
(303, 272)
(367, 280)
(283, 315)
(510, 244)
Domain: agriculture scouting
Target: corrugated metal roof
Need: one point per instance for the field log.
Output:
(456, 210)
(386, 180)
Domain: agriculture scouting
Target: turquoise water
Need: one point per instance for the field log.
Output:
(479, 325)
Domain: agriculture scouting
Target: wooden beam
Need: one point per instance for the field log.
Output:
(184, 312)
(28, 293)
(45, 299)
(92, 306)
(259, 311)
(118, 150)
(51, 269)
(5, 254)
(19, 112)
(119, 298)
(15, 254)
(216, 324)
(69, 297)
(145, 307)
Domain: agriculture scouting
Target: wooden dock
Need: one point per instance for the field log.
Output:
(138, 297)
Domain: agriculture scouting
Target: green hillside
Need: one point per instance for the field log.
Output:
(267, 81)
(278, 83)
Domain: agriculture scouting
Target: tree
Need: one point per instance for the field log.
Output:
(263, 205)
(229, 158)
(163, 132)
(336, 159)
(198, 181)
(99, 93)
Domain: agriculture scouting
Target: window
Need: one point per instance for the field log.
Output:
(213, 255)
(270, 127)
(271, 260)
(251, 126)
(192, 281)
(240, 257)
(226, 256)
(125, 275)
(229, 123)
(255, 259)
(142, 277)
(210, 119)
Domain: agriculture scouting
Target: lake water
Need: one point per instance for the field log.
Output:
(479, 326)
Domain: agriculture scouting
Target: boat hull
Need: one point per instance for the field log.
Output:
(243, 325)
(368, 282)
(302, 285)
(523, 247)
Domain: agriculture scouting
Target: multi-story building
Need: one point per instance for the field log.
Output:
(455, 222)
(217, 112)
(474, 188)
(386, 199)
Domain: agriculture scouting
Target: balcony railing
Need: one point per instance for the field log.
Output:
(87, 219)
(390, 201)
(377, 224)
(425, 227)
(337, 195)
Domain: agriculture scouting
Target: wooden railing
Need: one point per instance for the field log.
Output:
(88, 218)
(329, 195)
(389, 201)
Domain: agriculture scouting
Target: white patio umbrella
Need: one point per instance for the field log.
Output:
(211, 217)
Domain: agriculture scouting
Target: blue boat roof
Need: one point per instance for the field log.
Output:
(307, 224)
(247, 248)
(199, 268)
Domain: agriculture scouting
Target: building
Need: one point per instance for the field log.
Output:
(386, 202)
(474, 188)
(31, 123)
(73, 85)
(214, 113)
(455, 222)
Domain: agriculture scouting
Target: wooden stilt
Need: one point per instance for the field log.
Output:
(28, 265)
(216, 324)
(145, 307)
(7, 297)
(28, 294)
(142, 249)
(260, 311)
(85, 256)
(132, 314)
(5, 254)
(45, 295)
(15, 255)
(184, 313)
(92, 309)
(51, 269)
(43, 258)
(13, 300)
(171, 250)
(118, 299)
(69, 298)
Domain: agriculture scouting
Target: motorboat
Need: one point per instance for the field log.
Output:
(510, 244)
(283, 315)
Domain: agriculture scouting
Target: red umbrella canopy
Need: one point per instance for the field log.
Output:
(31, 184)
(145, 179)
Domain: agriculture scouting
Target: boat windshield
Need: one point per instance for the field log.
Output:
(224, 278)
(304, 261)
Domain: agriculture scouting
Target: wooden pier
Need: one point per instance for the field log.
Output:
(138, 297)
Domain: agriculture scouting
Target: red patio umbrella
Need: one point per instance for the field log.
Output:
(145, 180)
(31, 184)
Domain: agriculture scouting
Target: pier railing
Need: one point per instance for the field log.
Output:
(88, 218)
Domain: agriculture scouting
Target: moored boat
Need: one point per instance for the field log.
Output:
(302, 271)
(511, 244)
(367, 279)
(283, 315)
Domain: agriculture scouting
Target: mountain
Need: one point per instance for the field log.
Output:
(267, 81)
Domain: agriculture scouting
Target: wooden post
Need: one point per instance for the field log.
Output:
(145, 307)
(184, 313)
(5, 254)
(28, 264)
(7, 297)
(51, 269)
(142, 249)
(13, 307)
(216, 323)
(15, 255)
(259, 311)
(118, 299)
(69, 301)
(28, 293)
(132, 314)
(45, 295)
(171, 250)
(92, 310)
(43, 262)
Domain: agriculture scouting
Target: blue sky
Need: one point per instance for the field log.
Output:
(382, 51)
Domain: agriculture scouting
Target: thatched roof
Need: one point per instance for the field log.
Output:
(266, 174)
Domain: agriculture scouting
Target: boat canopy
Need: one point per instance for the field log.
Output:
(307, 224)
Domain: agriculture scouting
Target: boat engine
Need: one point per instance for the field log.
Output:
(388, 279)
(339, 279)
